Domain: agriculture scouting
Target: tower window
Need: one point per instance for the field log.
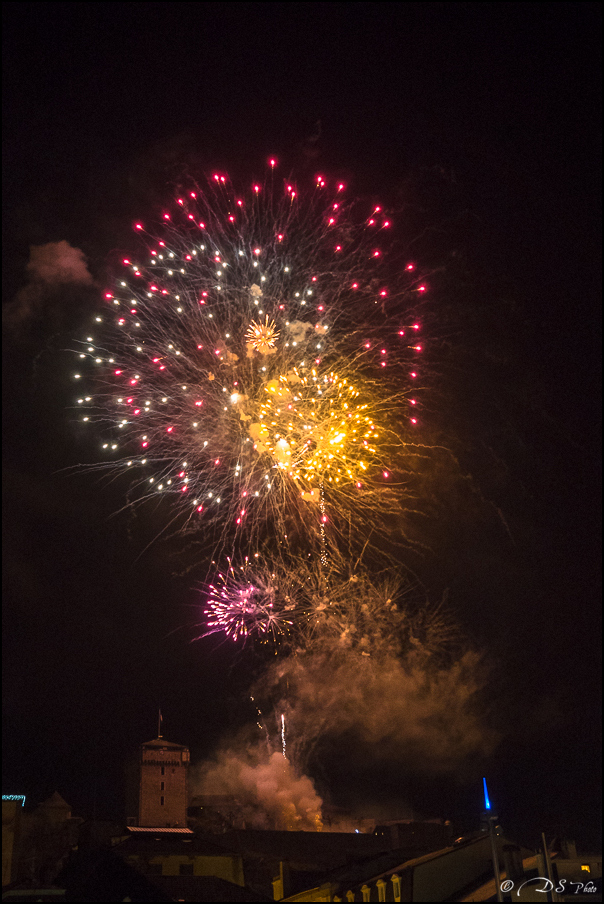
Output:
(161, 801)
(163, 786)
(163, 770)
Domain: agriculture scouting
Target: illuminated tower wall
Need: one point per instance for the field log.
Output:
(162, 799)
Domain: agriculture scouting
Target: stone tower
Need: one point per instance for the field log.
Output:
(162, 784)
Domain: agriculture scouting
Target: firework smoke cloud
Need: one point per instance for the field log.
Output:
(53, 266)
(265, 788)
(376, 661)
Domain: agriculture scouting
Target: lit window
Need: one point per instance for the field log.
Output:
(586, 867)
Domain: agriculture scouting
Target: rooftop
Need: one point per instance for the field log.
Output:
(161, 830)
(162, 743)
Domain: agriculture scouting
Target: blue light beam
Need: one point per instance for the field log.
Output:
(487, 802)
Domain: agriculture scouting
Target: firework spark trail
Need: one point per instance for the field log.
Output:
(254, 363)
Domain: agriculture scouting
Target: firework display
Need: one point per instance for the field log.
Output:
(256, 370)
(257, 361)
(254, 362)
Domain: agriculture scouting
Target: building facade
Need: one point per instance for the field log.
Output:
(160, 777)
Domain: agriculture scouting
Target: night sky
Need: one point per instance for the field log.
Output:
(478, 123)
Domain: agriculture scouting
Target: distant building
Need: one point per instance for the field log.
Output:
(443, 875)
(12, 810)
(179, 852)
(36, 843)
(292, 863)
(157, 794)
(418, 837)
(573, 867)
(186, 866)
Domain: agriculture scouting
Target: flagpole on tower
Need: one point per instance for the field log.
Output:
(159, 721)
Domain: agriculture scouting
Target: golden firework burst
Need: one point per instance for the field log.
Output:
(262, 336)
(317, 429)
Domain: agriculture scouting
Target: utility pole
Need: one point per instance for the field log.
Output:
(551, 895)
(492, 821)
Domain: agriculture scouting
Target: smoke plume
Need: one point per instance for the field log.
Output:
(264, 788)
(377, 672)
(423, 715)
(52, 266)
